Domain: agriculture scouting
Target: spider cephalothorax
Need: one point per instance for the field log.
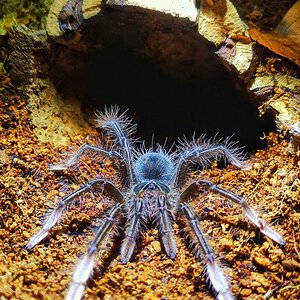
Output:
(154, 187)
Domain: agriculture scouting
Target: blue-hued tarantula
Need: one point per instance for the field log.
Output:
(155, 186)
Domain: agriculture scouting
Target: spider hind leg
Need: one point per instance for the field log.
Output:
(214, 273)
(86, 264)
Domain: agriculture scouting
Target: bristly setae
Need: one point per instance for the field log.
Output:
(154, 186)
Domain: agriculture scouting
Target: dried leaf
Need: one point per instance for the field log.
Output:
(285, 38)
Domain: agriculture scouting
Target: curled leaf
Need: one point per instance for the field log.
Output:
(285, 38)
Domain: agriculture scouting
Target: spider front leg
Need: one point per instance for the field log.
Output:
(65, 203)
(73, 160)
(135, 216)
(249, 212)
(214, 272)
(86, 264)
(164, 220)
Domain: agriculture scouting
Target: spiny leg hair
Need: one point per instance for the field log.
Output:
(205, 152)
(120, 128)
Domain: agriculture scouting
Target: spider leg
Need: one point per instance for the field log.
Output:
(64, 203)
(205, 154)
(219, 150)
(86, 264)
(121, 128)
(214, 272)
(164, 220)
(73, 160)
(132, 230)
(249, 212)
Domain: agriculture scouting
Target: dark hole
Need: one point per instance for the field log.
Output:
(167, 98)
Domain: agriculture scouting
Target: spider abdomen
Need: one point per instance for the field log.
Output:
(154, 166)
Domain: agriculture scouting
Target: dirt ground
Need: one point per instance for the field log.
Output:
(257, 267)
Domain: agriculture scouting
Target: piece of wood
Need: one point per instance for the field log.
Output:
(285, 38)
(217, 21)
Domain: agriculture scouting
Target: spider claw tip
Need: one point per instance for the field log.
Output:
(124, 261)
(246, 167)
(53, 167)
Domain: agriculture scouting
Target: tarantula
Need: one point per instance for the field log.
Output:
(154, 187)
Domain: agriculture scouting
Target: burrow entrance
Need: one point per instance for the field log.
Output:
(163, 71)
